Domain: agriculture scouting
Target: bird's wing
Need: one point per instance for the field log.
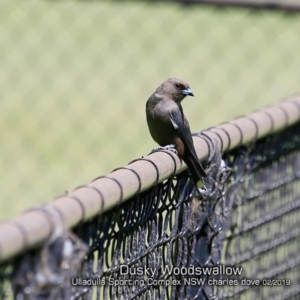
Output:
(183, 130)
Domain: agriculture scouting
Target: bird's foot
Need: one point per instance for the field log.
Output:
(167, 147)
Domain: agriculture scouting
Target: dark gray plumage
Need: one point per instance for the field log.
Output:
(168, 124)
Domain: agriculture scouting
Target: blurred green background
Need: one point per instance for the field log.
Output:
(75, 77)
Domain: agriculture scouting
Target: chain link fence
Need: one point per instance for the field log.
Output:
(75, 77)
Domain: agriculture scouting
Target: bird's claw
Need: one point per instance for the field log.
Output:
(167, 147)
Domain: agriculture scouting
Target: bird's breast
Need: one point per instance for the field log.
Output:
(159, 121)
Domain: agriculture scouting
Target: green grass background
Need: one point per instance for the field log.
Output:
(75, 76)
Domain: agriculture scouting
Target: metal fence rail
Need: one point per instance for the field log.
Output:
(35, 226)
(291, 6)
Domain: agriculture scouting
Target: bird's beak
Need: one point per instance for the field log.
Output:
(187, 92)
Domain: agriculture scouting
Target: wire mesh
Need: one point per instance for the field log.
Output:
(263, 235)
(237, 239)
(75, 76)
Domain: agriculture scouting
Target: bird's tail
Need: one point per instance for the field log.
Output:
(195, 167)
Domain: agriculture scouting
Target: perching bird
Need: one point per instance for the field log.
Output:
(168, 125)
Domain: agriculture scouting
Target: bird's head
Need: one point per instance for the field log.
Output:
(175, 89)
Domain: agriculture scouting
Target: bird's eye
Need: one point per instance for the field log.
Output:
(178, 86)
